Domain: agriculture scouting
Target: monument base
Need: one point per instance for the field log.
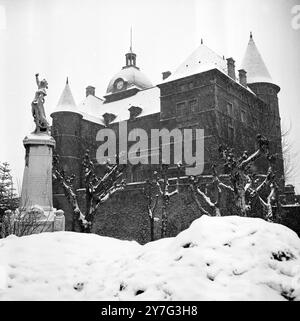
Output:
(36, 220)
(36, 213)
(32, 222)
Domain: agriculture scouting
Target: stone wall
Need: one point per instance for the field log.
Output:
(290, 217)
(124, 216)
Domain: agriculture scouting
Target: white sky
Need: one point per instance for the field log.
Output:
(86, 40)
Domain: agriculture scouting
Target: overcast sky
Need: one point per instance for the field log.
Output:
(86, 40)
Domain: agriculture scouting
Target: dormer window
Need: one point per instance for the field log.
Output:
(134, 111)
(108, 118)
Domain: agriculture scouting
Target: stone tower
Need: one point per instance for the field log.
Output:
(66, 130)
(262, 84)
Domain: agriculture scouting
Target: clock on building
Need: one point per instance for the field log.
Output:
(120, 84)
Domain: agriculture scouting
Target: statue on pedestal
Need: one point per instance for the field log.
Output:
(36, 211)
(37, 106)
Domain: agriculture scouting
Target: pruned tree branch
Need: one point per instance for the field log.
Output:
(165, 194)
(97, 189)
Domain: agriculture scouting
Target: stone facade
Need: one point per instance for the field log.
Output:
(231, 112)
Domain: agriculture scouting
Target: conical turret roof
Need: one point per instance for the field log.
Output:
(66, 101)
(254, 65)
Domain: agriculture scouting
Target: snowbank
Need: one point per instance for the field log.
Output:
(217, 258)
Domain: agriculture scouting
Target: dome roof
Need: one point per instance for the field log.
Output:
(132, 77)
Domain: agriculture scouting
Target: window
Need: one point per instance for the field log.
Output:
(230, 133)
(182, 87)
(180, 109)
(230, 109)
(193, 106)
(243, 116)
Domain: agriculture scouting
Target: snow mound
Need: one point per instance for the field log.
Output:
(216, 258)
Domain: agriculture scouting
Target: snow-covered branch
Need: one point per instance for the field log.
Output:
(195, 189)
(165, 194)
(152, 200)
(97, 189)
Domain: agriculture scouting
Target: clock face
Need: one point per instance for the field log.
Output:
(120, 84)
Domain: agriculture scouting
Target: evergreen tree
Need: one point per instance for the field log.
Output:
(8, 197)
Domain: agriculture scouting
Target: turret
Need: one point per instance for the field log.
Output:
(258, 76)
(66, 126)
(261, 83)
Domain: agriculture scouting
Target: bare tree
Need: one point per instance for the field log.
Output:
(194, 187)
(164, 193)
(24, 222)
(97, 189)
(152, 196)
(245, 186)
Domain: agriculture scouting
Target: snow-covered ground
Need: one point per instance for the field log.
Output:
(217, 258)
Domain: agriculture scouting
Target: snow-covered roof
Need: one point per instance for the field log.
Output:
(254, 65)
(92, 108)
(66, 101)
(133, 76)
(202, 59)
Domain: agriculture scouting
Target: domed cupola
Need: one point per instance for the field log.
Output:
(128, 81)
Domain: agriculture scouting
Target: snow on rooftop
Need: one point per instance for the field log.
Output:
(66, 101)
(216, 258)
(93, 108)
(133, 76)
(90, 108)
(202, 59)
(254, 65)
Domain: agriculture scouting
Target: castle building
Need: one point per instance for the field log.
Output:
(205, 91)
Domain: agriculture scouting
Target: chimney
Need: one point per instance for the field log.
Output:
(90, 90)
(166, 74)
(243, 77)
(231, 68)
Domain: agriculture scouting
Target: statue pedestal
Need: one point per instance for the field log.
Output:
(36, 196)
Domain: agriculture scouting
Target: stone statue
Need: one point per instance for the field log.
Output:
(37, 106)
